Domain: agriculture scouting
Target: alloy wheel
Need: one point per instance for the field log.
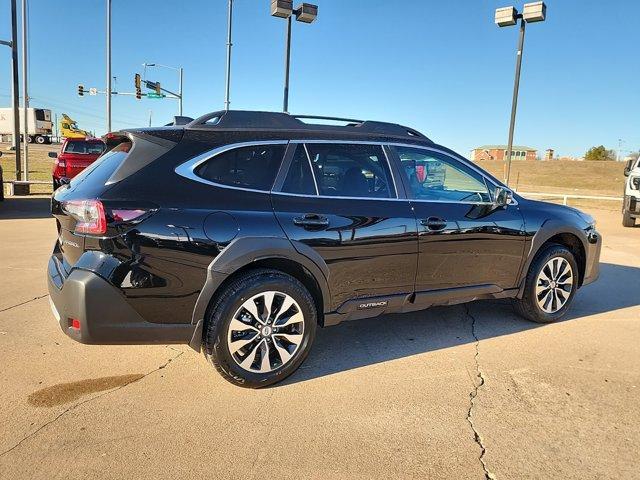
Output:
(265, 332)
(554, 285)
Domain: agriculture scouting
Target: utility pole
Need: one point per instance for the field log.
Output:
(108, 65)
(15, 86)
(150, 114)
(25, 94)
(229, 44)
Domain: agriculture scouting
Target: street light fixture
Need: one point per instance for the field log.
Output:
(506, 17)
(305, 13)
(180, 72)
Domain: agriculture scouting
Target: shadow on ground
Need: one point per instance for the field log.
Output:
(15, 208)
(367, 342)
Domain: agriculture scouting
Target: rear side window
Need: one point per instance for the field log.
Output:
(351, 170)
(92, 148)
(253, 167)
(299, 177)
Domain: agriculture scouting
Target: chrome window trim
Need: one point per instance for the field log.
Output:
(187, 169)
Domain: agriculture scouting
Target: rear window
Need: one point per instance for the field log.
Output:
(253, 167)
(90, 148)
(103, 167)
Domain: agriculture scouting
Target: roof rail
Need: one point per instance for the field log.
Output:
(246, 119)
(318, 117)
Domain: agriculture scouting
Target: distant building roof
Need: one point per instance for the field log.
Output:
(504, 147)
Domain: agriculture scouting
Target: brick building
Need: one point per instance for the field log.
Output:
(499, 152)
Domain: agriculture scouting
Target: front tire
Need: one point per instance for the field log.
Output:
(260, 328)
(550, 285)
(627, 219)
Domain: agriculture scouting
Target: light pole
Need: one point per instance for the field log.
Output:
(227, 86)
(180, 73)
(15, 98)
(25, 94)
(506, 17)
(305, 13)
(108, 66)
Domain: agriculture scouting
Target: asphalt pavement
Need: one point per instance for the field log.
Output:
(456, 392)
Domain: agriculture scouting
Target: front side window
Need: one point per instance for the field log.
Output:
(351, 170)
(437, 177)
(253, 167)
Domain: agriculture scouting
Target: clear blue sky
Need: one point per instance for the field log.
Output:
(442, 67)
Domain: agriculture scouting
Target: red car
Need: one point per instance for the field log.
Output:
(75, 155)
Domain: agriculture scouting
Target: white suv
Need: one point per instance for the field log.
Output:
(631, 205)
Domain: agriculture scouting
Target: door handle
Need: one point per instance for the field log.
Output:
(311, 221)
(434, 223)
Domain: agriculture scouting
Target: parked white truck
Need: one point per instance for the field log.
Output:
(39, 125)
(631, 205)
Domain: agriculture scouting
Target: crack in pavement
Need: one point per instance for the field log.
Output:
(472, 397)
(23, 303)
(90, 399)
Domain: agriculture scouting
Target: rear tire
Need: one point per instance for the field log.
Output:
(252, 344)
(40, 140)
(56, 184)
(627, 219)
(550, 285)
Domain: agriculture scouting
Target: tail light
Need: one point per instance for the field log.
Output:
(89, 215)
(92, 217)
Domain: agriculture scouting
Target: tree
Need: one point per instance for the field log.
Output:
(599, 154)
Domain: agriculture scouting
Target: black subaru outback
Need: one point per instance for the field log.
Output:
(241, 232)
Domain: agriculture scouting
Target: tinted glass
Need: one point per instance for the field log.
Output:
(95, 175)
(252, 167)
(92, 148)
(349, 170)
(299, 177)
(433, 176)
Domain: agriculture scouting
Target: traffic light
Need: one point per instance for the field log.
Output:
(158, 90)
(136, 81)
(80, 90)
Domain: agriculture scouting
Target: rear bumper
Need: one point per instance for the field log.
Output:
(103, 314)
(592, 264)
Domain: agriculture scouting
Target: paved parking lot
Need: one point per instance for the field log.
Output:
(455, 392)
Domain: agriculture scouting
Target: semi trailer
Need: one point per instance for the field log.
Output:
(39, 125)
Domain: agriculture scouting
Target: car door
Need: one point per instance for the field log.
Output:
(340, 199)
(464, 240)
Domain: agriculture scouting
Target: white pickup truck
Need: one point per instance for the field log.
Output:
(631, 205)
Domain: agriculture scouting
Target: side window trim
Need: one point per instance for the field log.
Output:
(188, 168)
(484, 178)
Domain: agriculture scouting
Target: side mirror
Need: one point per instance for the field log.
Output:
(65, 180)
(503, 197)
(52, 155)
